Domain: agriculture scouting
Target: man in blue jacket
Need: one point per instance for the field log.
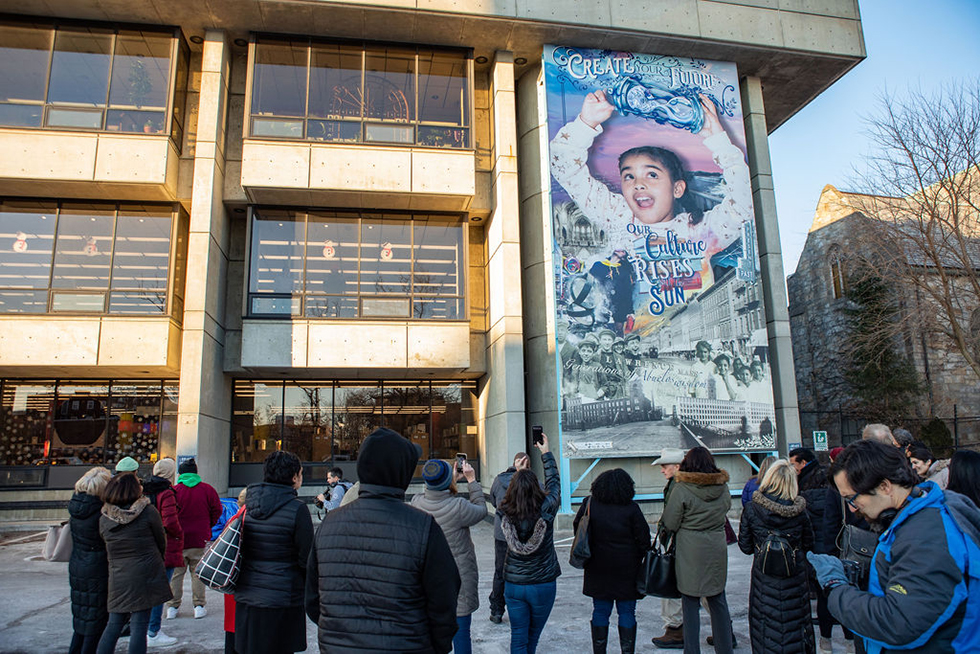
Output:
(924, 588)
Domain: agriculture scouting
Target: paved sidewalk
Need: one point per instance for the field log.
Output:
(35, 612)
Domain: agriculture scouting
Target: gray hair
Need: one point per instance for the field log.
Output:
(93, 482)
(878, 432)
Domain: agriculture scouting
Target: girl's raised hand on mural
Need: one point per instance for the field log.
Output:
(712, 124)
(596, 109)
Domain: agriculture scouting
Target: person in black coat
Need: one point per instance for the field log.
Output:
(88, 567)
(277, 534)
(779, 606)
(135, 542)
(618, 538)
(381, 578)
(823, 507)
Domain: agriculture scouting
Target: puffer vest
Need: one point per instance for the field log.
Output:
(371, 558)
(270, 577)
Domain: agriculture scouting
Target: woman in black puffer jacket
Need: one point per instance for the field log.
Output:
(531, 566)
(88, 567)
(277, 534)
(779, 606)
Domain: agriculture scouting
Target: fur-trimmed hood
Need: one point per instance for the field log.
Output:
(937, 466)
(786, 510)
(702, 478)
(125, 516)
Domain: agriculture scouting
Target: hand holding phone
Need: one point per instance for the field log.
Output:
(536, 434)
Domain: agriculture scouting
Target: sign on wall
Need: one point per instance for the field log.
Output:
(661, 337)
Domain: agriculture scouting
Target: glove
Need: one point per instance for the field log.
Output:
(829, 569)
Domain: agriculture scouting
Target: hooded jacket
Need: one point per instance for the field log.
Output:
(277, 534)
(455, 515)
(88, 567)
(163, 497)
(531, 557)
(619, 536)
(135, 543)
(939, 473)
(822, 505)
(924, 591)
(381, 578)
(696, 513)
(779, 607)
(199, 509)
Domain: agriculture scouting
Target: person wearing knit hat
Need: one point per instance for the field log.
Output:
(127, 464)
(199, 509)
(376, 544)
(437, 474)
(455, 514)
(159, 489)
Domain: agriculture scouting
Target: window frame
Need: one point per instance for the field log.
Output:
(366, 47)
(178, 49)
(360, 216)
(171, 294)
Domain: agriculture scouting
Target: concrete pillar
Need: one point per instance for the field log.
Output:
(204, 404)
(502, 396)
(538, 267)
(771, 258)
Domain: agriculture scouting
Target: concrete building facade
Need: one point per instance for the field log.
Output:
(241, 226)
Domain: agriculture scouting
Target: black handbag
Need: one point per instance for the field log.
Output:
(581, 553)
(858, 545)
(657, 575)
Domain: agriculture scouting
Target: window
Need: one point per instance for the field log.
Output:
(327, 264)
(351, 94)
(327, 421)
(92, 78)
(86, 423)
(837, 278)
(85, 257)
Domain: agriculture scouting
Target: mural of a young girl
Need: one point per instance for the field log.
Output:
(653, 182)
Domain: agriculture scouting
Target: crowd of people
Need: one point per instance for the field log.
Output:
(382, 575)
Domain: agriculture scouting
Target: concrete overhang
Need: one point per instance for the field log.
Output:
(797, 47)
(399, 349)
(332, 175)
(87, 165)
(89, 346)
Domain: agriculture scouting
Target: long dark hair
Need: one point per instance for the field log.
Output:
(613, 487)
(523, 498)
(964, 474)
(698, 459)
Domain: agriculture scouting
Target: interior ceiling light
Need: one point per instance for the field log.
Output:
(520, 61)
(481, 60)
(241, 43)
(197, 39)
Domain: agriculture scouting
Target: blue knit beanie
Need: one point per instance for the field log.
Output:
(437, 474)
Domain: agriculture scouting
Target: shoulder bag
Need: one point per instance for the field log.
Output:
(57, 544)
(581, 553)
(657, 575)
(857, 545)
(221, 562)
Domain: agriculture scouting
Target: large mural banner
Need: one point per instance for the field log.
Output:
(661, 338)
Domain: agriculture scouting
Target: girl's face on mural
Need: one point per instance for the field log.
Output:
(648, 189)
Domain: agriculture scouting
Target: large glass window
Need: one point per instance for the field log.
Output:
(94, 78)
(85, 423)
(353, 94)
(85, 257)
(326, 422)
(345, 265)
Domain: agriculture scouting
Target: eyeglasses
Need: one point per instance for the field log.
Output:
(850, 501)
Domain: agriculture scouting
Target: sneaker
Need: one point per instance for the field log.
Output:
(171, 612)
(496, 618)
(200, 612)
(160, 640)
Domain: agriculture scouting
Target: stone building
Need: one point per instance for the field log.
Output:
(235, 226)
(820, 329)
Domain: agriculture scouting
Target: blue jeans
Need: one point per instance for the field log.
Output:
(137, 632)
(625, 609)
(529, 606)
(157, 612)
(461, 641)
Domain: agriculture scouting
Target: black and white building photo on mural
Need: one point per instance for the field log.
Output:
(661, 338)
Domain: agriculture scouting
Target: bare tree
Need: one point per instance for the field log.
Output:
(921, 188)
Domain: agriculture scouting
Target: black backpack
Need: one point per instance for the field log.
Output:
(777, 558)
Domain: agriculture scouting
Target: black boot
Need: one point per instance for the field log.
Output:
(600, 638)
(627, 639)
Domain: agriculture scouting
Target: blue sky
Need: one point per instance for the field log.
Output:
(919, 43)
